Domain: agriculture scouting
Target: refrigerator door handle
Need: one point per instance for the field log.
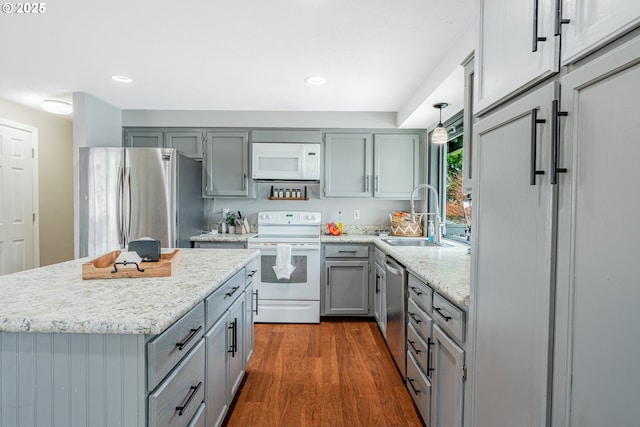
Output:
(120, 207)
(127, 205)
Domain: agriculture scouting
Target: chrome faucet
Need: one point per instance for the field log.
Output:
(438, 221)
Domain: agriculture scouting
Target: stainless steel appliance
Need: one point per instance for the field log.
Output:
(128, 193)
(396, 292)
(285, 161)
(296, 299)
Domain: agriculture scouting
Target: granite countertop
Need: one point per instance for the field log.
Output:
(226, 237)
(447, 269)
(56, 298)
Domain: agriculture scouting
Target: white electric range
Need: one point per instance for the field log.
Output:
(296, 299)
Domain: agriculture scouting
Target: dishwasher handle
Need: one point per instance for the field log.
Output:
(394, 268)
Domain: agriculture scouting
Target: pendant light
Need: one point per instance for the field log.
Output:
(439, 135)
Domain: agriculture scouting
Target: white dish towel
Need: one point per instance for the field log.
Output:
(283, 267)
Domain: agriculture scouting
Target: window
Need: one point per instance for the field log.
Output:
(446, 176)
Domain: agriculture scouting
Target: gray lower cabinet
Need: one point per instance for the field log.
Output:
(380, 293)
(226, 165)
(346, 289)
(448, 381)
(225, 341)
(182, 377)
(216, 396)
(436, 370)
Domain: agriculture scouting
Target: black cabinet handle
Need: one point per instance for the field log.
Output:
(411, 343)
(536, 39)
(233, 291)
(194, 391)
(555, 140)
(234, 337)
(411, 380)
(441, 311)
(193, 333)
(534, 141)
(413, 316)
(347, 252)
(253, 272)
(366, 184)
(415, 290)
(559, 20)
(429, 357)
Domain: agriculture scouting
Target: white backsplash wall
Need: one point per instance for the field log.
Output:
(372, 211)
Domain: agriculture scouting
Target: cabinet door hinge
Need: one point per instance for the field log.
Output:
(464, 373)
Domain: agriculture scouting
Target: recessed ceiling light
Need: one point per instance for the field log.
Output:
(315, 80)
(56, 107)
(121, 79)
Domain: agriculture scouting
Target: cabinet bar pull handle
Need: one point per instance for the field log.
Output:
(415, 290)
(366, 184)
(347, 252)
(559, 20)
(253, 272)
(536, 39)
(555, 141)
(256, 294)
(411, 343)
(413, 316)
(233, 291)
(233, 328)
(194, 391)
(411, 380)
(193, 333)
(378, 278)
(245, 182)
(429, 357)
(440, 311)
(534, 140)
(377, 180)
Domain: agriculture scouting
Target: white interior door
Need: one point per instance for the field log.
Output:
(16, 198)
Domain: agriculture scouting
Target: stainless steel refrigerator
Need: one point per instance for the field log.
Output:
(129, 193)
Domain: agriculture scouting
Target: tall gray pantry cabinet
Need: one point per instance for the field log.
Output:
(554, 272)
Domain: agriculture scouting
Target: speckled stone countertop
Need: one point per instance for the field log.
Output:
(56, 298)
(226, 237)
(446, 269)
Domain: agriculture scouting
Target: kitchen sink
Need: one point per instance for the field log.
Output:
(412, 241)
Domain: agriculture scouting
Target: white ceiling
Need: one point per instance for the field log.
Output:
(231, 55)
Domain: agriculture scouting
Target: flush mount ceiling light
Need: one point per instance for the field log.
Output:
(315, 80)
(121, 79)
(439, 135)
(56, 107)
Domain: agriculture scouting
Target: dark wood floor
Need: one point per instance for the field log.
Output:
(336, 373)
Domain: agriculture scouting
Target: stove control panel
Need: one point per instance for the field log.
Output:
(289, 218)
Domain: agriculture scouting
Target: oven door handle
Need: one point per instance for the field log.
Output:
(294, 248)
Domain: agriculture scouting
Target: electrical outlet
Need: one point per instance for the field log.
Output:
(356, 214)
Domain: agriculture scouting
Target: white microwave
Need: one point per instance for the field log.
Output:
(285, 161)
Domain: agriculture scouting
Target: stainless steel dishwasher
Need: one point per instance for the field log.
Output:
(396, 284)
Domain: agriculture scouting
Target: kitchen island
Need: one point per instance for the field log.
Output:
(91, 352)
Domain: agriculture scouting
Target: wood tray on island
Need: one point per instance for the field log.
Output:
(103, 267)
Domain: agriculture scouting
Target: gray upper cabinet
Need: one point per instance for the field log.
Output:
(144, 138)
(188, 143)
(225, 170)
(396, 165)
(348, 165)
